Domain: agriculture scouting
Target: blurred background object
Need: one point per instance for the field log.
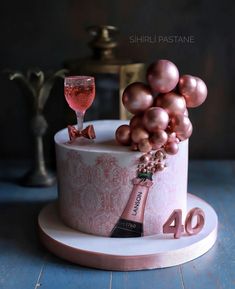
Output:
(198, 36)
(37, 88)
(112, 75)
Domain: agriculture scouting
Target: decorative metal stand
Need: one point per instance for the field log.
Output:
(39, 88)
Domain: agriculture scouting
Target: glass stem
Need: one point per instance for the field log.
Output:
(80, 117)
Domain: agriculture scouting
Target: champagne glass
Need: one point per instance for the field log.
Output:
(79, 93)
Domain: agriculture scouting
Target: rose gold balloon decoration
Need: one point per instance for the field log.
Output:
(137, 97)
(173, 103)
(123, 135)
(164, 122)
(193, 89)
(158, 139)
(182, 126)
(155, 118)
(138, 133)
(162, 76)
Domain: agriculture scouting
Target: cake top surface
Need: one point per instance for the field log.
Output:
(104, 142)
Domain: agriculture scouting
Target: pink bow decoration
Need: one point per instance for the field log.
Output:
(88, 132)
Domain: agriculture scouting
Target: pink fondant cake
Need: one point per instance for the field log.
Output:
(125, 179)
(95, 182)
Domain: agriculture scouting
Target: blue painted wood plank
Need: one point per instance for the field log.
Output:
(216, 269)
(60, 274)
(21, 256)
(168, 278)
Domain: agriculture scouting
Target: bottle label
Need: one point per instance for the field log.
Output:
(137, 203)
(130, 223)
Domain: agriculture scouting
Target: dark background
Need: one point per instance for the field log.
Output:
(45, 33)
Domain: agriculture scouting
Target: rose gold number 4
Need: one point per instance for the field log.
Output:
(178, 228)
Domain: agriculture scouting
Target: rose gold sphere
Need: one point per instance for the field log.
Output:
(145, 158)
(159, 167)
(155, 118)
(185, 134)
(177, 140)
(138, 134)
(144, 146)
(173, 103)
(162, 76)
(181, 125)
(171, 137)
(186, 112)
(158, 139)
(136, 121)
(171, 148)
(193, 89)
(137, 97)
(159, 155)
(123, 135)
(134, 146)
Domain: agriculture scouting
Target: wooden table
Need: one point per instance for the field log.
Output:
(24, 263)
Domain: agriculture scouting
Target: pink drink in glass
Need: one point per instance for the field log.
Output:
(79, 92)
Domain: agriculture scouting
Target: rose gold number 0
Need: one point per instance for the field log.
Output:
(195, 212)
(178, 228)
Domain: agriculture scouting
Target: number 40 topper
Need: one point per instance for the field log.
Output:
(178, 228)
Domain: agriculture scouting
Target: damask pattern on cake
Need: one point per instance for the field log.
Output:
(92, 196)
(85, 211)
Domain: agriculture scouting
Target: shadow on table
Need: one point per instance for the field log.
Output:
(19, 231)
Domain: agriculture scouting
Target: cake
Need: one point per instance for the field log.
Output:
(122, 184)
(131, 180)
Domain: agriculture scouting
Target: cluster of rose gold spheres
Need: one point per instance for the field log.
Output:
(160, 118)
(152, 162)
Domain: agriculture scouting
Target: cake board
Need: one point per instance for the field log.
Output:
(126, 254)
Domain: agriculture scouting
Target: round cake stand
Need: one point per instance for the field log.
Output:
(126, 254)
